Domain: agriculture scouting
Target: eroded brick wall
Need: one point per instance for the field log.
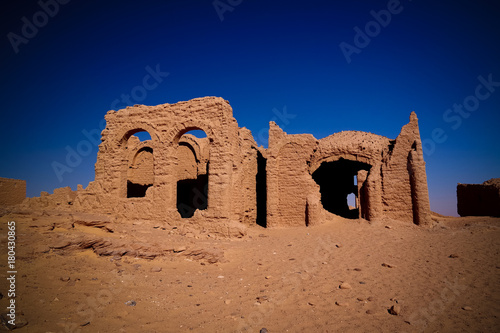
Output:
(404, 181)
(243, 179)
(12, 191)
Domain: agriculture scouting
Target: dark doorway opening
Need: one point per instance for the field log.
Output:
(337, 180)
(136, 190)
(192, 194)
(261, 189)
(192, 170)
(413, 182)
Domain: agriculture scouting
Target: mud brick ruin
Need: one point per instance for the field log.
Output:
(479, 199)
(226, 178)
(12, 191)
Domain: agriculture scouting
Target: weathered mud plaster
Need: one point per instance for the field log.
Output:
(226, 178)
(12, 191)
(390, 174)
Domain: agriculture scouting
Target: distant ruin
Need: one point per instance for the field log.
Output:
(224, 177)
(479, 199)
(12, 191)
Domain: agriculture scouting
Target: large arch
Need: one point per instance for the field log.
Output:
(128, 151)
(192, 176)
(124, 134)
(216, 160)
(337, 180)
(351, 145)
(179, 129)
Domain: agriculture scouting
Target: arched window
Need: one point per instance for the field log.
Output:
(140, 171)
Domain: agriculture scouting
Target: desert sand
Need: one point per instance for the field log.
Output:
(186, 234)
(91, 273)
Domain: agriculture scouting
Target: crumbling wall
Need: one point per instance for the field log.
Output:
(390, 174)
(63, 198)
(366, 149)
(404, 181)
(12, 191)
(288, 180)
(177, 156)
(214, 181)
(244, 181)
(479, 199)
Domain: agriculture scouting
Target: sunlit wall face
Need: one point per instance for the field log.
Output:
(312, 67)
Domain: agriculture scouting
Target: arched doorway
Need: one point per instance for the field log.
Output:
(338, 181)
(192, 173)
(140, 172)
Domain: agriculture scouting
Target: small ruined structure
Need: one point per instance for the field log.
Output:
(479, 199)
(12, 191)
(224, 177)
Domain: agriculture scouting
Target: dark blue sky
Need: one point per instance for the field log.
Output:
(267, 58)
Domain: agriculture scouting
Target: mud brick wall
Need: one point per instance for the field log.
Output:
(297, 181)
(12, 191)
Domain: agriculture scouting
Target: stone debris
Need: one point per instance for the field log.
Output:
(345, 285)
(395, 310)
(131, 303)
(179, 249)
(262, 299)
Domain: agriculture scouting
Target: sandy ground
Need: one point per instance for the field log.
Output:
(285, 280)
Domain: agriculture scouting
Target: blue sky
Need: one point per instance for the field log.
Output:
(272, 60)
